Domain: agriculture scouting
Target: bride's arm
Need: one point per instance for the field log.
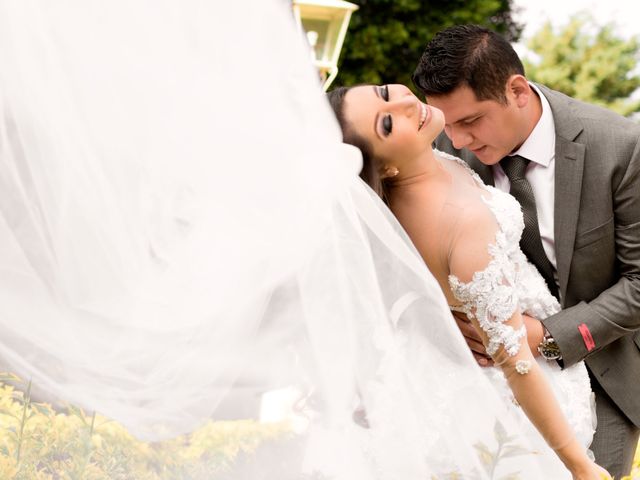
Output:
(482, 279)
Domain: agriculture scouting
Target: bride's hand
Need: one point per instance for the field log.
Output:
(592, 472)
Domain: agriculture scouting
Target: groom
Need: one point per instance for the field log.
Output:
(575, 168)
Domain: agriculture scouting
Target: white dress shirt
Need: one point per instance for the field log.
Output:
(539, 148)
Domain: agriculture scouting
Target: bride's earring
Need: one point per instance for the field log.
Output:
(390, 172)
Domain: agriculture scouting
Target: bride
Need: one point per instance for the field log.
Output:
(468, 234)
(183, 232)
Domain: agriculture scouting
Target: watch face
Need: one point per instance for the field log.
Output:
(550, 354)
(549, 350)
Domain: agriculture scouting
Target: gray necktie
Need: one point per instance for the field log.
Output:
(530, 243)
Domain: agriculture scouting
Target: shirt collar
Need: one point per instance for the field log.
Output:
(540, 146)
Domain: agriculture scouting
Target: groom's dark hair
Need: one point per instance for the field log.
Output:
(468, 55)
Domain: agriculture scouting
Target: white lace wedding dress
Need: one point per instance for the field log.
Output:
(511, 279)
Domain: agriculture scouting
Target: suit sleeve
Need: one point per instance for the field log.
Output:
(588, 327)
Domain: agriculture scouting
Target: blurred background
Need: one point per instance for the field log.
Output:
(586, 49)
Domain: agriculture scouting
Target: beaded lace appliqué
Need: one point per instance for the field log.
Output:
(492, 302)
(491, 296)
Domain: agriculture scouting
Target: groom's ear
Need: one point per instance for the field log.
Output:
(518, 90)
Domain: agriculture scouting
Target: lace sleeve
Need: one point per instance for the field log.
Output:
(482, 278)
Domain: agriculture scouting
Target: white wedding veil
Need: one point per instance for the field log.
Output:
(183, 236)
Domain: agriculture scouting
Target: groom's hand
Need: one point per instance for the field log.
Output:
(473, 339)
(535, 334)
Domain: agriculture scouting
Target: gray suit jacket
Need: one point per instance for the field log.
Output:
(597, 241)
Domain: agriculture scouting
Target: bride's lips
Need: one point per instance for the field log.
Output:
(425, 114)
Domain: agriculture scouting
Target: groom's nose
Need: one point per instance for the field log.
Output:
(459, 137)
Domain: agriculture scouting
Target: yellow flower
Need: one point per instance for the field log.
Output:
(76, 444)
(8, 467)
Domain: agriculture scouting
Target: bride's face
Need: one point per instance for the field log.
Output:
(398, 126)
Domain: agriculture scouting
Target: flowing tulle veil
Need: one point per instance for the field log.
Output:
(183, 236)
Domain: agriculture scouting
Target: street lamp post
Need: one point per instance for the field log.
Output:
(325, 23)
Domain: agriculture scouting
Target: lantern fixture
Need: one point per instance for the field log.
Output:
(325, 23)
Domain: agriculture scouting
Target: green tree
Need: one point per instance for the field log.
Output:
(588, 62)
(387, 37)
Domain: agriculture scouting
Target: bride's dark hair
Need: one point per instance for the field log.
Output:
(370, 172)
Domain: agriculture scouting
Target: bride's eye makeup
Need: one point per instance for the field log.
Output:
(384, 92)
(387, 125)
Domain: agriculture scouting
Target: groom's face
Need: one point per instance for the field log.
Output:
(488, 128)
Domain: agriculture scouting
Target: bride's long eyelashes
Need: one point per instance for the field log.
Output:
(387, 125)
(387, 122)
(385, 92)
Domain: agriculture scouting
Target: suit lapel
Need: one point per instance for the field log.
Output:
(568, 186)
(569, 161)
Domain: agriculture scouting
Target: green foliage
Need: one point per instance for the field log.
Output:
(587, 62)
(387, 37)
(38, 443)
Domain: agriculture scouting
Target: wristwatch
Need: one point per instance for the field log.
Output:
(548, 347)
